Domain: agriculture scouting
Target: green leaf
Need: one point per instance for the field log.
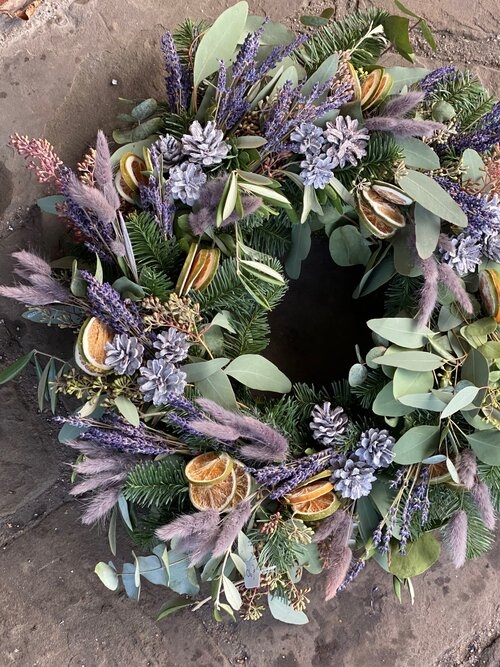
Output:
(78, 285)
(255, 179)
(171, 607)
(417, 154)
(48, 204)
(128, 410)
(420, 556)
(239, 563)
(201, 370)
(257, 372)
(266, 193)
(99, 272)
(301, 245)
(348, 247)
(403, 77)
(486, 446)
(232, 593)
(412, 382)
(447, 319)
(112, 531)
(427, 230)
(405, 10)
(136, 148)
(461, 399)
(12, 371)
(423, 402)
(245, 546)
(386, 405)
(357, 375)
(427, 34)
(223, 319)
(217, 388)
(107, 575)
(219, 42)
(490, 350)
(401, 331)
(418, 443)
(263, 272)
(473, 166)
(411, 361)
(128, 289)
(425, 191)
(396, 29)
(313, 21)
(322, 75)
(274, 33)
(144, 109)
(232, 195)
(42, 385)
(453, 471)
(282, 611)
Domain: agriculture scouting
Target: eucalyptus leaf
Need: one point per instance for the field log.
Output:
(416, 444)
(402, 331)
(491, 349)
(181, 577)
(217, 388)
(411, 382)
(404, 77)
(257, 372)
(348, 247)
(417, 154)
(425, 191)
(128, 289)
(473, 166)
(127, 409)
(301, 245)
(282, 611)
(486, 446)
(219, 42)
(223, 319)
(232, 593)
(144, 109)
(422, 401)
(448, 319)
(387, 406)
(123, 508)
(461, 400)
(107, 575)
(453, 471)
(251, 141)
(427, 230)
(201, 370)
(128, 580)
(357, 375)
(50, 204)
(421, 554)
(412, 361)
(245, 546)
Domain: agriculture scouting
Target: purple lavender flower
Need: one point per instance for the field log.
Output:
(157, 194)
(170, 149)
(347, 141)
(354, 479)
(186, 181)
(204, 145)
(317, 170)
(355, 568)
(177, 80)
(172, 345)
(307, 139)
(463, 253)
(124, 354)
(160, 379)
(304, 469)
(430, 82)
(484, 136)
(375, 448)
(106, 304)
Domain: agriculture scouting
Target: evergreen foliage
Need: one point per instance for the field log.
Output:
(343, 35)
(382, 155)
(151, 248)
(401, 296)
(156, 283)
(271, 237)
(161, 483)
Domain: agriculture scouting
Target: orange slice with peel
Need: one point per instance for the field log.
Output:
(243, 485)
(208, 469)
(317, 509)
(309, 492)
(214, 496)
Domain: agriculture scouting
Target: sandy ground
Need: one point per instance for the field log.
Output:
(56, 75)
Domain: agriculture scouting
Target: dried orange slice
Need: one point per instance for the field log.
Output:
(131, 168)
(243, 485)
(210, 468)
(309, 492)
(317, 509)
(215, 496)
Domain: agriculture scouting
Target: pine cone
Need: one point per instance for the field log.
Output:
(327, 424)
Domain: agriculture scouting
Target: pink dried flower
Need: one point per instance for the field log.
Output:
(98, 507)
(451, 280)
(399, 105)
(482, 497)
(30, 264)
(429, 291)
(90, 198)
(455, 538)
(103, 171)
(41, 157)
(403, 127)
(231, 526)
(336, 574)
(195, 533)
(214, 430)
(467, 468)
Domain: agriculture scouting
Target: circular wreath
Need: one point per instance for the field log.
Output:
(216, 465)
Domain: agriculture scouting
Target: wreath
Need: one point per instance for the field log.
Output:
(221, 470)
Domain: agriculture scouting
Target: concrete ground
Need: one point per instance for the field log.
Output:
(55, 81)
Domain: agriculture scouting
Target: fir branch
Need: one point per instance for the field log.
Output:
(344, 35)
(151, 248)
(156, 283)
(374, 383)
(161, 483)
(382, 156)
(466, 95)
(401, 295)
(271, 237)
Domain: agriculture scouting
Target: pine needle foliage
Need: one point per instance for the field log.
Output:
(249, 319)
(151, 248)
(186, 39)
(346, 34)
(401, 296)
(382, 156)
(160, 483)
(374, 383)
(285, 416)
(271, 237)
(281, 548)
(156, 283)
(466, 95)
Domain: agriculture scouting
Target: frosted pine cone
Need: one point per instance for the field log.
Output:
(327, 424)
(354, 480)
(170, 149)
(375, 448)
(347, 141)
(204, 145)
(124, 354)
(159, 379)
(172, 345)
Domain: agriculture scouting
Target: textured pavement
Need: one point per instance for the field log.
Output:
(55, 81)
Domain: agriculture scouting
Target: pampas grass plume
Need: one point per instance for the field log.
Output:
(336, 575)
(231, 526)
(455, 538)
(481, 494)
(467, 468)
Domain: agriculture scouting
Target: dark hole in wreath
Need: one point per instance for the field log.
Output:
(315, 329)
